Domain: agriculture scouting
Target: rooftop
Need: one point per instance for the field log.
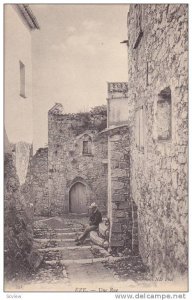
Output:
(28, 16)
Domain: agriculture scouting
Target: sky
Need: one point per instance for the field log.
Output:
(75, 53)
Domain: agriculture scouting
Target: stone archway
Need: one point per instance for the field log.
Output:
(78, 198)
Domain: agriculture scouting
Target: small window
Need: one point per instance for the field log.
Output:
(164, 115)
(105, 169)
(87, 145)
(22, 79)
(139, 129)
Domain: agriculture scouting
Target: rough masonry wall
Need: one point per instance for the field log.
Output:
(18, 232)
(120, 209)
(159, 60)
(22, 156)
(40, 182)
(67, 164)
(35, 188)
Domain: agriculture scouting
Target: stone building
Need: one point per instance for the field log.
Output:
(77, 161)
(158, 126)
(19, 22)
(121, 210)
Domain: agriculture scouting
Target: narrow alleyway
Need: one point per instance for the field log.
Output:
(67, 267)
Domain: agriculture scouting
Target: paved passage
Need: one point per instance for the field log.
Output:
(67, 267)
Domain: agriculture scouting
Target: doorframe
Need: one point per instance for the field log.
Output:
(71, 184)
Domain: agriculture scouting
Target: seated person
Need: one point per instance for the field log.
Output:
(94, 220)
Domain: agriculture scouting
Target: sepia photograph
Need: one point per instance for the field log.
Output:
(95, 147)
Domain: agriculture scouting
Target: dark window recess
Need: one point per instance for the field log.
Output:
(105, 168)
(22, 79)
(164, 115)
(85, 147)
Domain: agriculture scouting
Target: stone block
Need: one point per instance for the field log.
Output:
(135, 249)
(116, 243)
(124, 205)
(116, 228)
(35, 259)
(118, 173)
(116, 155)
(114, 164)
(123, 165)
(119, 214)
(135, 231)
(175, 180)
(115, 138)
(116, 185)
(182, 158)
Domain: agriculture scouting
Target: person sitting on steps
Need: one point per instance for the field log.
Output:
(94, 220)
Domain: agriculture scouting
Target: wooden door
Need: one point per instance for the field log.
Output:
(78, 199)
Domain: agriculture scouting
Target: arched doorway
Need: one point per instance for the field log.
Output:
(78, 198)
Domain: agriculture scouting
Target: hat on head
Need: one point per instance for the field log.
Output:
(93, 205)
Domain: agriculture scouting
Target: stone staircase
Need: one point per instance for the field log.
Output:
(58, 244)
(66, 266)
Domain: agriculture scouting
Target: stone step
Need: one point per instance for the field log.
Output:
(68, 230)
(68, 254)
(103, 251)
(98, 240)
(72, 235)
(52, 243)
(44, 235)
(54, 240)
(87, 260)
(60, 223)
(68, 233)
(63, 248)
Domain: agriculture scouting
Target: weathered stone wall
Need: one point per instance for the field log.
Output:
(117, 104)
(22, 155)
(69, 165)
(40, 182)
(158, 82)
(35, 189)
(18, 233)
(120, 211)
